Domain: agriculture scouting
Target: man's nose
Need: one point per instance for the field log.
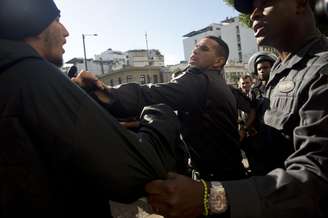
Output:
(194, 51)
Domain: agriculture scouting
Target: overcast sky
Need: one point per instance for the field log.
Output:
(121, 24)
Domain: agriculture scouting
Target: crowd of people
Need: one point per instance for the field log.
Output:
(65, 153)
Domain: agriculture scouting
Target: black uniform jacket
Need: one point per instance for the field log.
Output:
(61, 154)
(296, 149)
(208, 113)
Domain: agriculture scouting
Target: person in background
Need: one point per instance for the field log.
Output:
(262, 65)
(245, 85)
(255, 131)
(245, 97)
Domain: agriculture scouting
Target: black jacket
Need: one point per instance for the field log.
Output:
(296, 149)
(208, 113)
(62, 155)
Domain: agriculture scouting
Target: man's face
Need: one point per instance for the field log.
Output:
(263, 69)
(205, 55)
(273, 21)
(53, 38)
(245, 84)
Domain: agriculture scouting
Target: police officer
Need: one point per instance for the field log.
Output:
(297, 146)
(260, 65)
(254, 145)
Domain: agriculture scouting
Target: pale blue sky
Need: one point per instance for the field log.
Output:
(121, 24)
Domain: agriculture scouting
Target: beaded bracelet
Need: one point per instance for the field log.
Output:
(205, 199)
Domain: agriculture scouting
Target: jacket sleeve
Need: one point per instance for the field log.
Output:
(301, 189)
(79, 139)
(186, 93)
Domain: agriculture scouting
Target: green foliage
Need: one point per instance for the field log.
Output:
(245, 19)
(229, 2)
(242, 17)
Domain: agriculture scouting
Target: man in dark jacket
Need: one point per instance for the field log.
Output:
(297, 147)
(260, 65)
(205, 104)
(61, 155)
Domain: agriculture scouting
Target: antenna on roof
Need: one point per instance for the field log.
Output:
(148, 54)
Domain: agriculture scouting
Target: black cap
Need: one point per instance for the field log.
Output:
(23, 18)
(262, 58)
(244, 6)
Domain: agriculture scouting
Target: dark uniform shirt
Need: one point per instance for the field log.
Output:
(208, 113)
(298, 144)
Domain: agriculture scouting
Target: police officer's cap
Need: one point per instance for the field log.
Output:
(244, 6)
(262, 58)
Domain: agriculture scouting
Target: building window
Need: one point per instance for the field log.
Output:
(148, 79)
(240, 57)
(142, 79)
(155, 78)
(129, 78)
(119, 80)
(237, 29)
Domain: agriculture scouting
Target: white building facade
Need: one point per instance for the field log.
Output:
(110, 61)
(142, 58)
(240, 39)
(99, 67)
(117, 58)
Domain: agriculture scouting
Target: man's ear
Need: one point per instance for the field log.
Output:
(219, 63)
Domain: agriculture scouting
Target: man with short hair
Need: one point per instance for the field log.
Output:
(263, 67)
(61, 155)
(296, 146)
(260, 64)
(245, 85)
(206, 108)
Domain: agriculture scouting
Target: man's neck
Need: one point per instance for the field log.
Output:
(284, 53)
(35, 43)
(302, 34)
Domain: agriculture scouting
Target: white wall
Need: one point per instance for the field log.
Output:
(94, 67)
(229, 34)
(139, 58)
(190, 42)
(248, 42)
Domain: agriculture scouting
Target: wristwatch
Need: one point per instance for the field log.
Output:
(218, 202)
